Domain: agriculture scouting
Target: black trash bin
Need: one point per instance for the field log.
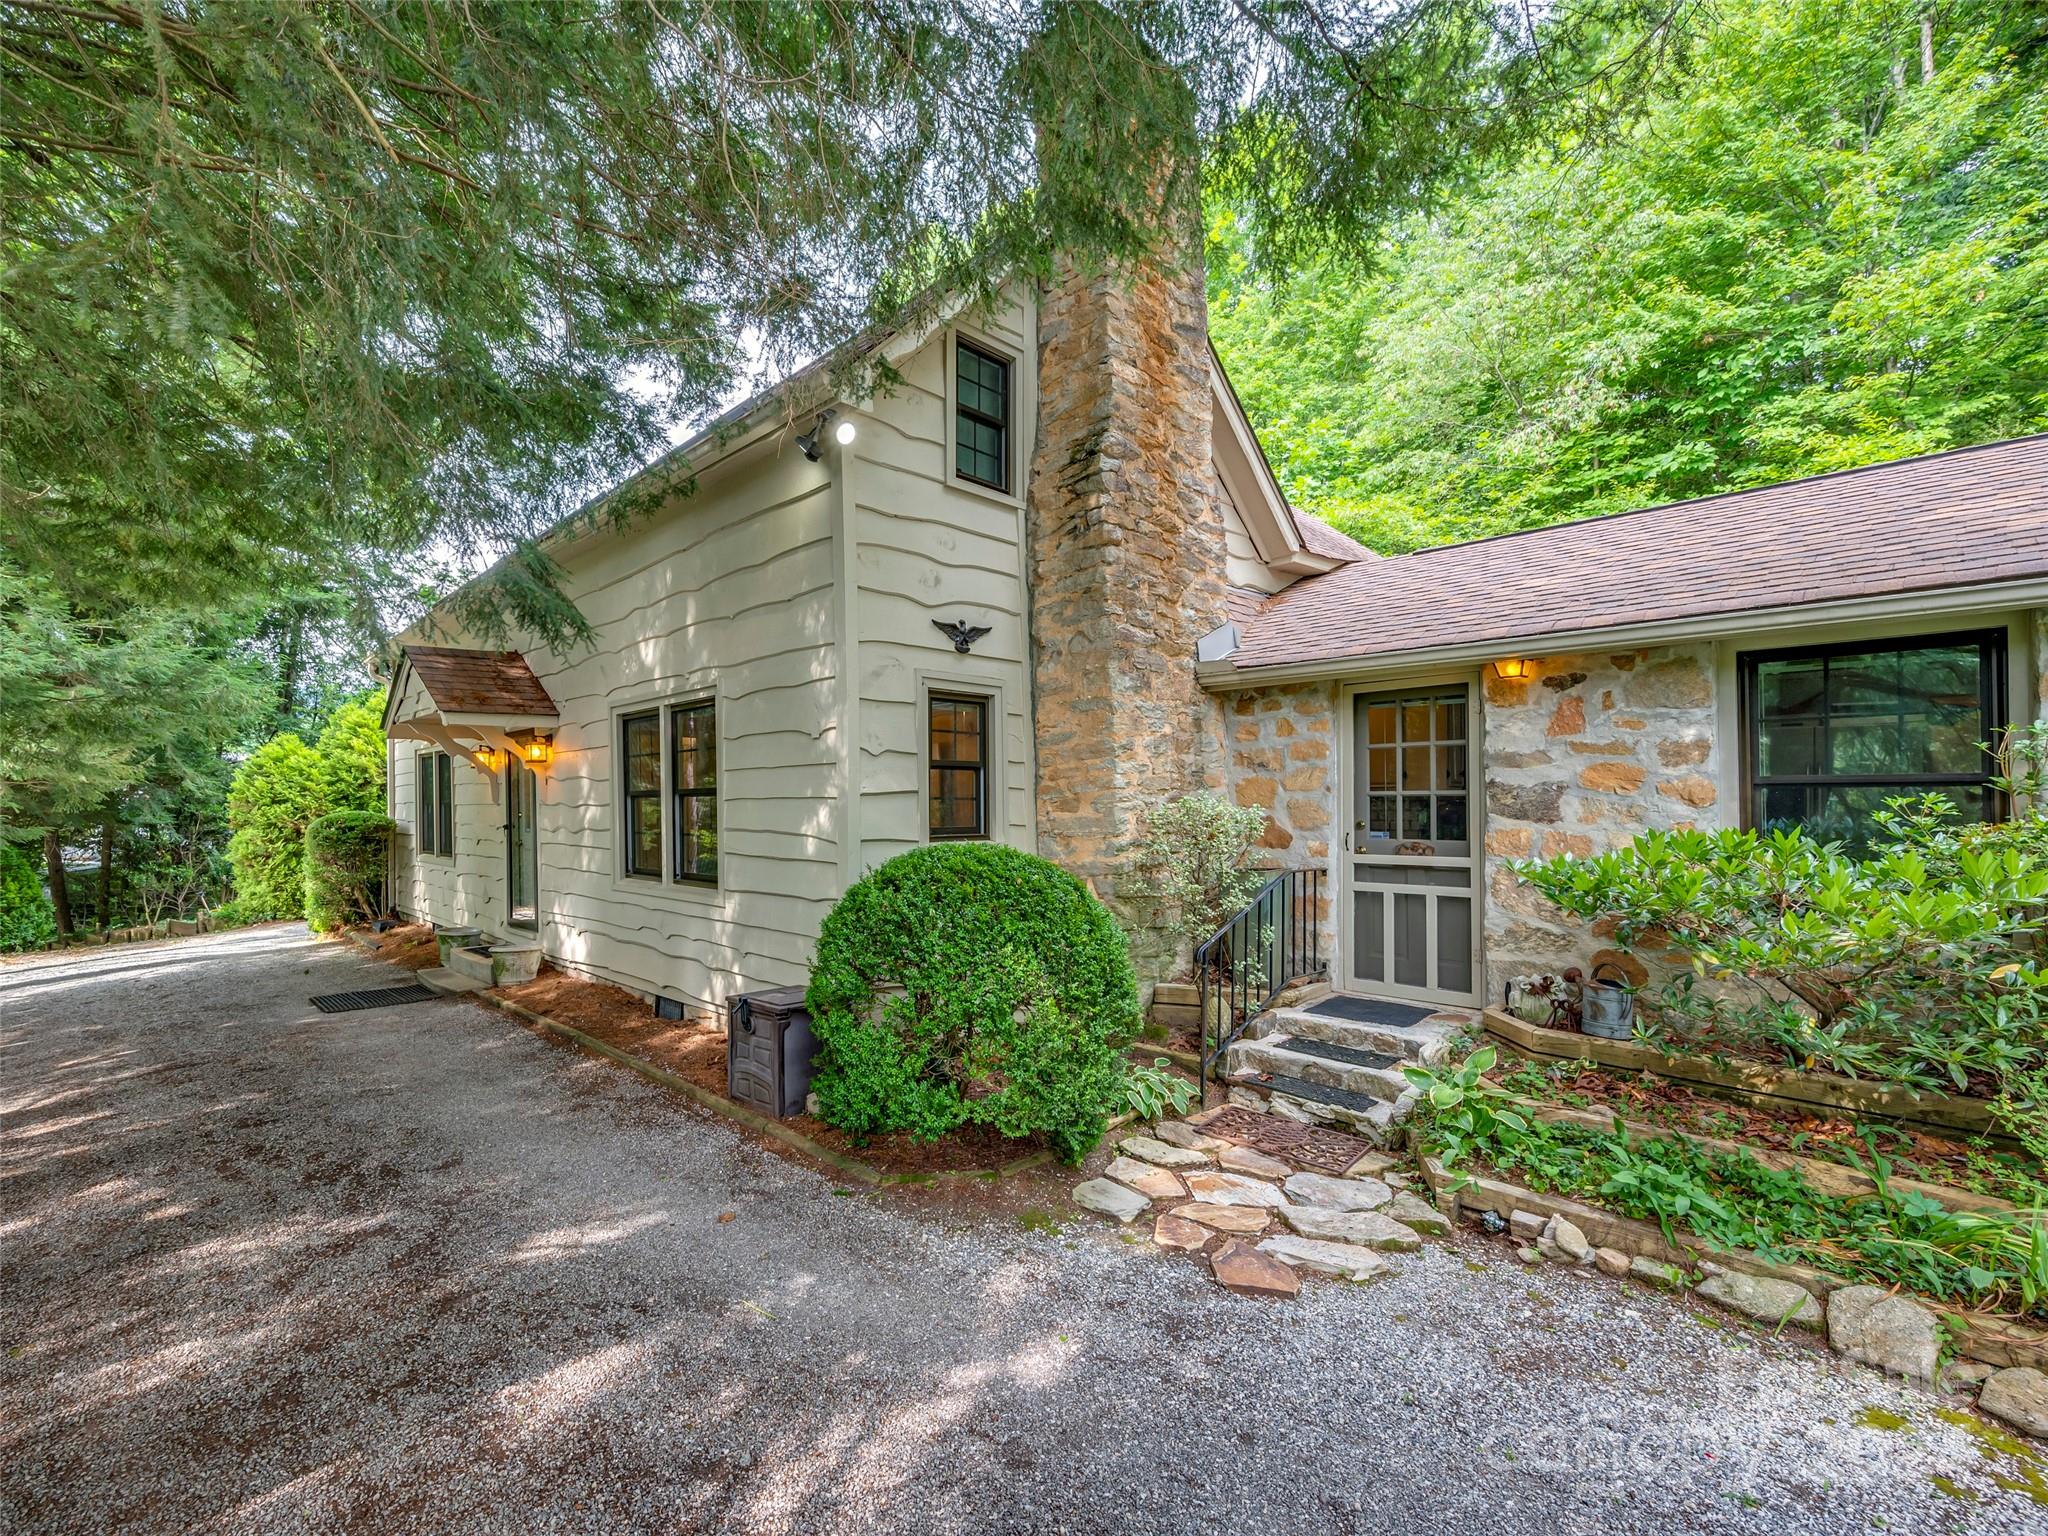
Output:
(768, 1050)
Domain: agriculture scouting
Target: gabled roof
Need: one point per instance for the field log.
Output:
(1972, 517)
(466, 682)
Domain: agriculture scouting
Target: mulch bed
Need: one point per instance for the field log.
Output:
(694, 1049)
(411, 945)
(1648, 1100)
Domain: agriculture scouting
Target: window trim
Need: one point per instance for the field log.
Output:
(1007, 424)
(626, 796)
(433, 834)
(673, 840)
(1993, 692)
(987, 705)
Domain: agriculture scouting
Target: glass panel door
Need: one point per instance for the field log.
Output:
(1409, 862)
(522, 847)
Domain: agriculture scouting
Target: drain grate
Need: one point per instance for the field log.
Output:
(383, 997)
(1350, 1056)
(1308, 1146)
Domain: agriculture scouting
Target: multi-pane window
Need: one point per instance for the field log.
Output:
(640, 753)
(1416, 752)
(696, 791)
(434, 803)
(981, 426)
(1833, 732)
(957, 759)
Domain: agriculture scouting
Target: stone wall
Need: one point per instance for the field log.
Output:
(1580, 757)
(1127, 565)
(1281, 748)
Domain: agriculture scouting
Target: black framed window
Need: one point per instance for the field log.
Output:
(434, 803)
(696, 790)
(981, 417)
(957, 763)
(1832, 732)
(444, 804)
(640, 759)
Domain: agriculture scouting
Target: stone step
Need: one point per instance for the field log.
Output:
(1312, 1104)
(1425, 1043)
(1273, 1055)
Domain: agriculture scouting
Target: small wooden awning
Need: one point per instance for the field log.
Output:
(474, 701)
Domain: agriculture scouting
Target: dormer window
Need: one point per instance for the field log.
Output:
(981, 426)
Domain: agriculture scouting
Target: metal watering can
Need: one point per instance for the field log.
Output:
(1607, 1008)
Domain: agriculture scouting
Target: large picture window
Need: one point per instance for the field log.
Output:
(434, 804)
(981, 424)
(957, 762)
(696, 791)
(1833, 732)
(640, 755)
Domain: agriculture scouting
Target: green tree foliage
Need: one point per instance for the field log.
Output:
(352, 755)
(297, 290)
(26, 921)
(1808, 255)
(277, 793)
(345, 855)
(970, 983)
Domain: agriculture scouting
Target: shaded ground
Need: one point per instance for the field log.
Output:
(413, 1269)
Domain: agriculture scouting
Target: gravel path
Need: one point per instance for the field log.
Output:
(418, 1270)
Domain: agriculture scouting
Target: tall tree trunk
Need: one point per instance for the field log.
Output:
(106, 874)
(60, 895)
(1927, 47)
(290, 661)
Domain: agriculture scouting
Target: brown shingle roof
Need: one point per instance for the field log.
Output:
(1319, 538)
(463, 682)
(1962, 518)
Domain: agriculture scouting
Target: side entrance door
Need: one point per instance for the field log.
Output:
(1410, 866)
(522, 846)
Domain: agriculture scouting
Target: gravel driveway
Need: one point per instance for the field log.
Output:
(418, 1270)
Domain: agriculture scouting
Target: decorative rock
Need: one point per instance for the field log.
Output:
(1258, 1164)
(1368, 1229)
(1234, 1189)
(1371, 1165)
(1657, 1272)
(1528, 1255)
(1893, 1333)
(1344, 1260)
(1525, 1225)
(1240, 1267)
(1152, 1183)
(1319, 1189)
(1563, 1243)
(1111, 1199)
(1245, 1220)
(1611, 1261)
(2018, 1395)
(1765, 1299)
(1178, 1133)
(1160, 1153)
(1175, 1232)
(1412, 1211)
(1965, 1375)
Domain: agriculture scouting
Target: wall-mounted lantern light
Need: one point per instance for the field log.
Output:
(537, 750)
(490, 759)
(1512, 669)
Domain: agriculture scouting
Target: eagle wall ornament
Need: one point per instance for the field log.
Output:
(961, 633)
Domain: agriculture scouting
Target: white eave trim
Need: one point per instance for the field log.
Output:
(1225, 676)
(1248, 478)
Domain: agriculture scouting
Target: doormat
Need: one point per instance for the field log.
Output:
(1350, 1057)
(1369, 1010)
(1309, 1146)
(383, 997)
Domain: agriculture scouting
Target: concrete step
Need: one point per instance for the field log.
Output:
(1426, 1042)
(440, 979)
(469, 963)
(1272, 1055)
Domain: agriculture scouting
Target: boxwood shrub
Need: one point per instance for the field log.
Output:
(969, 983)
(345, 867)
(27, 920)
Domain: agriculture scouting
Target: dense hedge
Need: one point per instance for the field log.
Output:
(345, 867)
(26, 921)
(1016, 1000)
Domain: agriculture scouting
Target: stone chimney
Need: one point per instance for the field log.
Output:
(1127, 564)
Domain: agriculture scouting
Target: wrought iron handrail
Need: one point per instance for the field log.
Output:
(1274, 942)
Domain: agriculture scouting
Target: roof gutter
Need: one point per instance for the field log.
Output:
(1225, 676)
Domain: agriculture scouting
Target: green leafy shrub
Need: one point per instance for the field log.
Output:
(1192, 863)
(352, 755)
(275, 796)
(1915, 965)
(1150, 1092)
(26, 918)
(969, 983)
(345, 852)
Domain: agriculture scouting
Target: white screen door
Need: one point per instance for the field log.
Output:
(1409, 859)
